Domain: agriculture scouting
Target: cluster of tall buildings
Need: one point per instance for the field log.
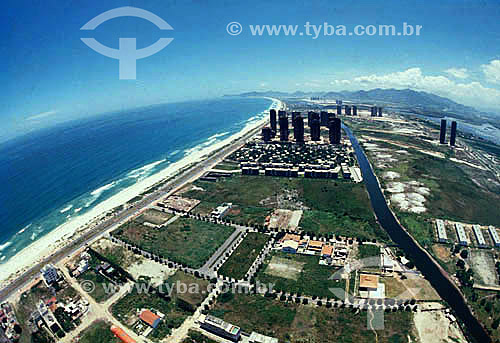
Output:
(315, 121)
(453, 133)
(348, 109)
(376, 111)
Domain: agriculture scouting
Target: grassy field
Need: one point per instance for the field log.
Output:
(368, 250)
(308, 278)
(194, 298)
(98, 332)
(186, 240)
(196, 337)
(242, 258)
(298, 323)
(245, 192)
(335, 207)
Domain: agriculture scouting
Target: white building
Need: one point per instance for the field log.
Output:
(221, 210)
(50, 274)
(441, 231)
(479, 236)
(494, 236)
(462, 237)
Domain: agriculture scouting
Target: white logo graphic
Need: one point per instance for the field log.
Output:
(234, 28)
(127, 53)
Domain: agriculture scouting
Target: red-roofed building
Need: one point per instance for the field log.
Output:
(150, 318)
(52, 304)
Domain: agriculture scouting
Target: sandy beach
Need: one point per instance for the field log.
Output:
(67, 233)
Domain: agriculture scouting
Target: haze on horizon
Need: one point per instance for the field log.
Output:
(51, 75)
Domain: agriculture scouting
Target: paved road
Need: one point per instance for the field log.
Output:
(219, 254)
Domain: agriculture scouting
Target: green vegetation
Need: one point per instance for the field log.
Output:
(101, 292)
(227, 166)
(186, 240)
(245, 192)
(453, 195)
(196, 337)
(294, 323)
(242, 258)
(368, 250)
(103, 286)
(313, 279)
(142, 296)
(98, 332)
(335, 206)
(115, 253)
(196, 292)
(486, 306)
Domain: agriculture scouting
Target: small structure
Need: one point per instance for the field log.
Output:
(368, 282)
(221, 210)
(221, 328)
(290, 246)
(479, 236)
(151, 319)
(441, 231)
(178, 203)
(326, 251)
(387, 263)
(315, 246)
(370, 287)
(494, 236)
(259, 338)
(462, 237)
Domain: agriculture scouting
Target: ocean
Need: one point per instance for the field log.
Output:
(54, 176)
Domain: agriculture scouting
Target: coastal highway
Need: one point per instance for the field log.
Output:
(110, 224)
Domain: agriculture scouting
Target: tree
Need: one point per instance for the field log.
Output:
(464, 254)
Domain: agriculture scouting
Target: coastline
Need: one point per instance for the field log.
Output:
(66, 234)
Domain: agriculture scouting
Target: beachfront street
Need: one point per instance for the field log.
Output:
(121, 217)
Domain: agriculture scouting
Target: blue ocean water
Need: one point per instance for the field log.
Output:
(55, 174)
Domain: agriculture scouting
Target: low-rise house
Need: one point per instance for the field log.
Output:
(315, 246)
(150, 318)
(221, 210)
(290, 246)
(326, 251)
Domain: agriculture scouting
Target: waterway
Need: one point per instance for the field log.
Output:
(423, 261)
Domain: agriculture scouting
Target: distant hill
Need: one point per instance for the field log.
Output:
(407, 99)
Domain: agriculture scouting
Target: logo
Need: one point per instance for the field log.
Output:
(127, 54)
(234, 28)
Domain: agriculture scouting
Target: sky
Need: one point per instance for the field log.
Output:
(49, 75)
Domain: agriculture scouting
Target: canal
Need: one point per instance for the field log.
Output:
(422, 260)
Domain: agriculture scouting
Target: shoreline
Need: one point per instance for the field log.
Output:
(66, 235)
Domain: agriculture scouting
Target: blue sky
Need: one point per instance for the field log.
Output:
(50, 75)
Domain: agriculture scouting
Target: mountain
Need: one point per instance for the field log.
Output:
(402, 99)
